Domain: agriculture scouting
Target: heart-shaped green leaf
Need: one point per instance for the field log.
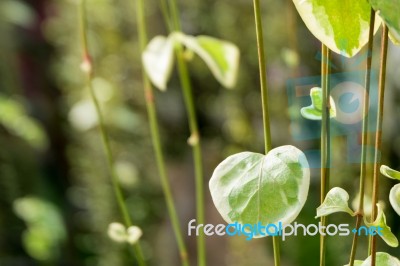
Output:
(158, 60)
(389, 11)
(382, 259)
(386, 232)
(314, 111)
(336, 200)
(221, 57)
(389, 172)
(341, 25)
(394, 198)
(250, 187)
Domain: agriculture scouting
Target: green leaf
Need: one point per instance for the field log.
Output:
(250, 187)
(380, 222)
(389, 172)
(314, 111)
(221, 57)
(389, 11)
(356, 263)
(14, 117)
(382, 259)
(394, 198)
(341, 25)
(158, 60)
(337, 200)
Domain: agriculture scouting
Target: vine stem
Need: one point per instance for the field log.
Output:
(156, 141)
(364, 137)
(325, 141)
(264, 101)
(87, 68)
(194, 139)
(378, 136)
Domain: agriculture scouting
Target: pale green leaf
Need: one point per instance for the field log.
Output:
(386, 232)
(394, 198)
(356, 263)
(314, 111)
(250, 187)
(221, 57)
(337, 200)
(389, 11)
(341, 25)
(382, 259)
(389, 172)
(117, 232)
(158, 60)
(134, 234)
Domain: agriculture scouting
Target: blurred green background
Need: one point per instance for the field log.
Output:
(56, 200)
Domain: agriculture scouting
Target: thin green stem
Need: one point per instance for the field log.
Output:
(88, 69)
(166, 14)
(364, 135)
(263, 75)
(155, 137)
(378, 136)
(264, 101)
(194, 139)
(325, 141)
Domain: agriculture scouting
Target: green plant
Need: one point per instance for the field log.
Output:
(155, 134)
(87, 68)
(347, 35)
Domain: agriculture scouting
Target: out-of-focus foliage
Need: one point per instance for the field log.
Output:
(39, 71)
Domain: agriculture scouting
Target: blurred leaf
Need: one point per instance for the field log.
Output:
(380, 222)
(221, 57)
(158, 60)
(314, 111)
(335, 201)
(250, 187)
(16, 12)
(382, 259)
(134, 233)
(389, 11)
(45, 229)
(83, 115)
(117, 232)
(16, 120)
(394, 198)
(367, 203)
(389, 172)
(356, 263)
(341, 25)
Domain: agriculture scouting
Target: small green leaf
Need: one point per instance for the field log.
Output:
(314, 111)
(382, 259)
(380, 222)
(250, 187)
(134, 233)
(389, 11)
(221, 57)
(356, 263)
(389, 172)
(117, 232)
(158, 60)
(337, 200)
(394, 198)
(341, 25)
